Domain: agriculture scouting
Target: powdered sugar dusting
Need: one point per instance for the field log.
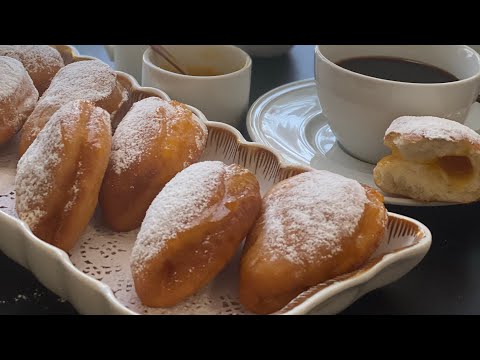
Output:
(66, 114)
(34, 57)
(433, 128)
(11, 74)
(90, 80)
(95, 128)
(178, 206)
(17, 94)
(98, 120)
(311, 211)
(74, 192)
(135, 132)
(34, 179)
(141, 126)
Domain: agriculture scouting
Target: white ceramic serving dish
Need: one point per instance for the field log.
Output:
(95, 276)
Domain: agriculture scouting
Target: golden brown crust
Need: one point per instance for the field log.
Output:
(187, 260)
(58, 212)
(268, 284)
(168, 142)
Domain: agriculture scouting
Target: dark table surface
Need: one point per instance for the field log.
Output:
(447, 281)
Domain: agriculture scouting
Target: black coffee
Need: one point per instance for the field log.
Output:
(397, 69)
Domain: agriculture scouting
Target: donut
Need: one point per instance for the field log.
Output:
(90, 80)
(432, 159)
(191, 231)
(18, 97)
(58, 178)
(312, 227)
(42, 62)
(153, 142)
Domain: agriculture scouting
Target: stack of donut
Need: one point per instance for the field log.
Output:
(193, 216)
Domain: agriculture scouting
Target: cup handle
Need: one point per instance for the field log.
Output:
(475, 109)
(110, 51)
(477, 100)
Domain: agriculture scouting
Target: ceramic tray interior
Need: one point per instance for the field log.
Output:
(95, 277)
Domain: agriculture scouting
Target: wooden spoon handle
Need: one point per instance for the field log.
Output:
(160, 50)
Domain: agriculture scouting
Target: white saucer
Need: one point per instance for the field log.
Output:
(290, 120)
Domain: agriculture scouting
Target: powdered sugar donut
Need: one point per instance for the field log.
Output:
(90, 80)
(18, 97)
(42, 62)
(58, 179)
(312, 227)
(153, 142)
(191, 230)
(433, 159)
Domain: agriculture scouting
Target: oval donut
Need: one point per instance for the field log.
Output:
(155, 140)
(58, 179)
(312, 228)
(192, 230)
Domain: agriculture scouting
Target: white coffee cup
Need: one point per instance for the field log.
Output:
(360, 108)
(127, 58)
(222, 97)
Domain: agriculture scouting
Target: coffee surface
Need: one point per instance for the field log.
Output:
(397, 69)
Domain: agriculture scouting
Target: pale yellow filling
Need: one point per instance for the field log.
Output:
(459, 169)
